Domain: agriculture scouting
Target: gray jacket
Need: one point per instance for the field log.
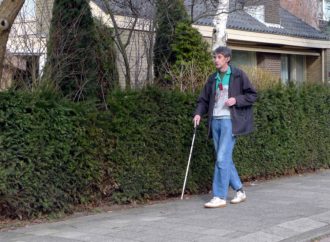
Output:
(241, 113)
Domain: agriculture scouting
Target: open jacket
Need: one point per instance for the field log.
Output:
(241, 113)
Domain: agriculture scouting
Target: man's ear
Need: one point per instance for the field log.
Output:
(228, 59)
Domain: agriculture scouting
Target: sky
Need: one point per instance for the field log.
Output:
(29, 4)
(29, 8)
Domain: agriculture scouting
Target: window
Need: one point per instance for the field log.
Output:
(285, 69)
(298, 68)
(244, 58)
(28, 70)
(293, 68)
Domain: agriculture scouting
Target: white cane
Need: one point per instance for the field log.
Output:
(187, 170)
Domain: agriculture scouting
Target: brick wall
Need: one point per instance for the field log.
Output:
(314, 68)
(271, 8)
(272, 11)
(307, 10)
(270, 63)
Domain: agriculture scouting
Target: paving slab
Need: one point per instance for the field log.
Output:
(287, 209)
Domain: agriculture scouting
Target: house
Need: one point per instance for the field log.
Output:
(280, 36)
(139, 49)
(28, 38)
(284, 37)
(26, 49)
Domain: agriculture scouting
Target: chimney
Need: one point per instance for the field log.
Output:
(239, 4)
(272, 11)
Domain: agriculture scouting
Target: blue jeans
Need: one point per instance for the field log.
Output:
(225, 173)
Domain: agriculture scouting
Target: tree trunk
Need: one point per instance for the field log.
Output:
(220, 23)
(9, 9)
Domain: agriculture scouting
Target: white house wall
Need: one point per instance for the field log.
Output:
(137, 55)
(123, 22)
(136, 50)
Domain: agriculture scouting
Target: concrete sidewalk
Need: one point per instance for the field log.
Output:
(287, 209)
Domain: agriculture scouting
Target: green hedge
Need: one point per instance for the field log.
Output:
(151, 133)
(293, 133)
(152, 130)
(55, 154)
(46, 161)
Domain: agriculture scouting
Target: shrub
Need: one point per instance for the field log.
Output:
(261, 78)
(151, 134)
(46, 160)
(71, 50)
(292, 133)
(168, 14)
(55, 154)
(193, 62)
(106, 57)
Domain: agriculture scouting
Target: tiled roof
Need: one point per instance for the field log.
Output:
(143, 8)
(290, 25)
(240, 20)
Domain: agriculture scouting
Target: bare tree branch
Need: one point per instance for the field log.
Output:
(120, 44)
(132, 21)
(218, 11)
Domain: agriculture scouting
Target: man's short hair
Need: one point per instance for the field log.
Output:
(225, 51)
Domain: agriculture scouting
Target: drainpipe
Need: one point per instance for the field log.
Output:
(323, 66)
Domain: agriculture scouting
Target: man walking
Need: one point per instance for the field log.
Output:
(227, 99)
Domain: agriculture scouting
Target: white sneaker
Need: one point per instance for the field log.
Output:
(240, 197)
(215, 202)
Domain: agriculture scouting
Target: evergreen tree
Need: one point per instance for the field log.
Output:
(106, 58)
(168, 14)
(188, 45)
(192, 57)
(71, 59)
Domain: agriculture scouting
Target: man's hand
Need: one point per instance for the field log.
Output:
(230, 102)
(196, 120)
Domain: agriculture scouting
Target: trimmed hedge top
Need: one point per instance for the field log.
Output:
(55, 154)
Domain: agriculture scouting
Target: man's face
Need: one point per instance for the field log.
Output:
(220, 61)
